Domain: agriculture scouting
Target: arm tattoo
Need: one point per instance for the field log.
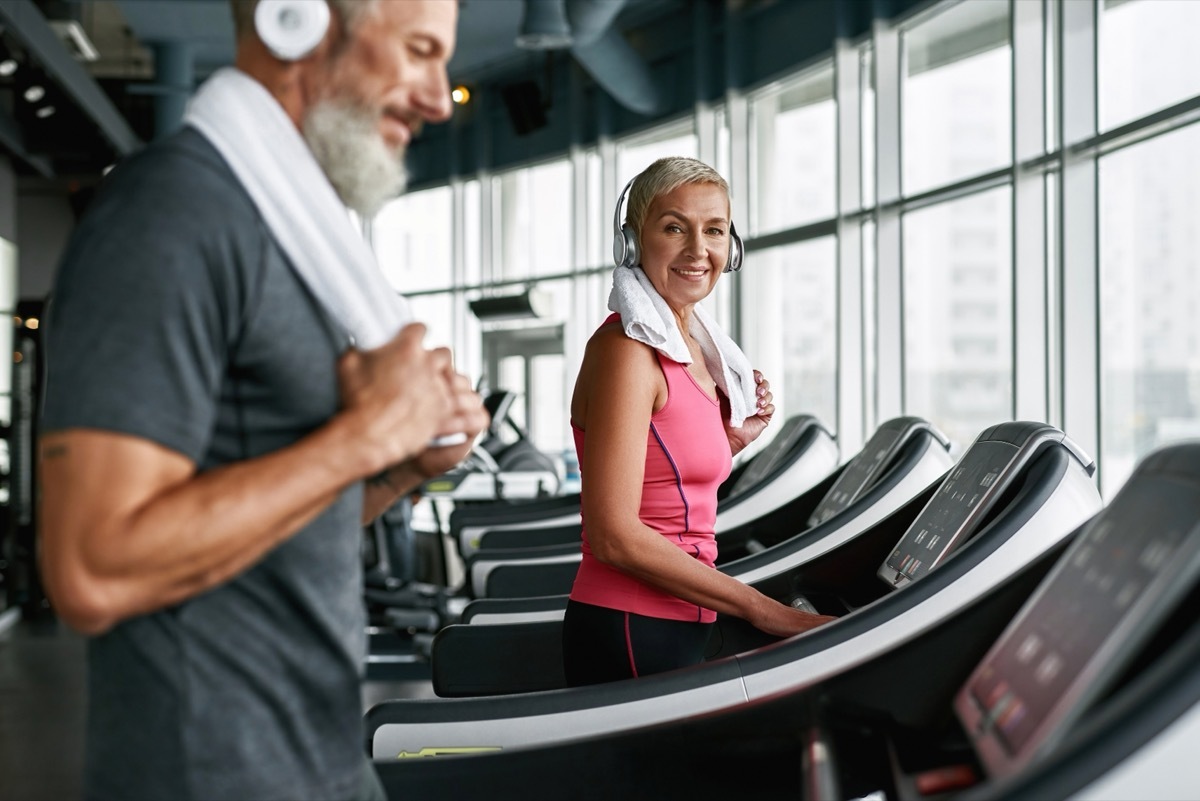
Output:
(54, 450)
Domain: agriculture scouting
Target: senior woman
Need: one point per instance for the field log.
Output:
(663, 402)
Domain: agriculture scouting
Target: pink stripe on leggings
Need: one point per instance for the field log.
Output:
(629, 647)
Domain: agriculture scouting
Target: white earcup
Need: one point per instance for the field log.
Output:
(291, 29)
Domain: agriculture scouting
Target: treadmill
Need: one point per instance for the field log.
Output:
(904, 456)
(799, 458)
(802, 453)
(1090, 690)
(998, 537)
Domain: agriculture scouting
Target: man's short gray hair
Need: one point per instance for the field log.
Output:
(664, 176)
(349, 11)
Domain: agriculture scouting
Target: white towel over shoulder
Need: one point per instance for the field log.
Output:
(647, 318)
(303, 211)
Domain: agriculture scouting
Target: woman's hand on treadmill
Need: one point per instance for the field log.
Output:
(784, 621)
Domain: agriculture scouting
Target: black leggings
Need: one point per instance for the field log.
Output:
(601, 645)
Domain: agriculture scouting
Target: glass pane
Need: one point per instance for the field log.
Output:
(870, 316)
(958, 369)
(1051, 72)
(794, 328)
(723, 141)
(535, 221)
(411, 236)
(599, 220)
(637, 155)
(1149, 283)
(868, 126)
(1148, 58)
(549, 425)
(472, 233)
(437, 312)
(956, 104)
(794, 157)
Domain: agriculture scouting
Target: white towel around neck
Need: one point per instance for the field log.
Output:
(303, 211)
(647, 318)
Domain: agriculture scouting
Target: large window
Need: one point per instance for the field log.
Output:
(1150, 285)
(412, 240)
(637, 154)
(535, 221)
(958, 314)
(795, 153)
(805, 310)
(957, 106)
(1061, 288)
(1148, 58)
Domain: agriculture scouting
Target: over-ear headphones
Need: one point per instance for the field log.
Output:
(625, 244)
(291, 29)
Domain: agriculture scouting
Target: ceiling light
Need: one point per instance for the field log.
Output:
(35, 93)
(544, 26)
(44, 112)
(7, 67)
(461, 95)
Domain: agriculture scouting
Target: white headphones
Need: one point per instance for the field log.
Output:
(291, 29)
(625, 244)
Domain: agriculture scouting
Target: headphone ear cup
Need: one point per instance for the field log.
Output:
(736, 251)
(625, 248)
(291, 29)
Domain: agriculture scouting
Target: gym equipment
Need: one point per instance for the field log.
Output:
(1092, 690)
(901, 458)
(1038, 490)
(800, 456)
(505, 464)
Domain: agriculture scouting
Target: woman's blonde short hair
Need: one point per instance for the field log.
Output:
(663, 176)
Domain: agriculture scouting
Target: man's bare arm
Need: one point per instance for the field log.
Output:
(129, 526)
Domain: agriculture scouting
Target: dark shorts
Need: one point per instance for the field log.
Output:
(602, 645)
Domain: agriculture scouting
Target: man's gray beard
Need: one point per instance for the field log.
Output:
(347, 144)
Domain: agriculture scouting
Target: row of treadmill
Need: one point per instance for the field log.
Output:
(1002, 633)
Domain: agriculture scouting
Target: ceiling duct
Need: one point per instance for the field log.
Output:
(587, 27)
(544, 26)
(603, 52)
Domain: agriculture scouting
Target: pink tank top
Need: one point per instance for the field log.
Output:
(687, 458)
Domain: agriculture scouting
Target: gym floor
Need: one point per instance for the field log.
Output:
(42, 703)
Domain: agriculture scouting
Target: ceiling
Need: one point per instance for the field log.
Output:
(142, 46)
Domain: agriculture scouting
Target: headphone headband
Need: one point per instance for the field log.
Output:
(625, 244)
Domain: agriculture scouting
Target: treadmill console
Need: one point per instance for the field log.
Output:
(870, 464)
(1125, 573)
(967, 495)
(773, 452)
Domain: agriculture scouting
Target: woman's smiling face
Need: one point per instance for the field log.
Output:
(685, 242)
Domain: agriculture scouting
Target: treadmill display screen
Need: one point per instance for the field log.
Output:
(948, 517)
(857, 475)
(1072, 629)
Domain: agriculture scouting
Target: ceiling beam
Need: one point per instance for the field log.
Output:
(23, 19)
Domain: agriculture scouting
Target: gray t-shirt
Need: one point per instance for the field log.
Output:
(177, 318)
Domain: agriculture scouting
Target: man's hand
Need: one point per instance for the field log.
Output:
(395, 398)
(754, 425)
(466, 415)
(463, 414)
